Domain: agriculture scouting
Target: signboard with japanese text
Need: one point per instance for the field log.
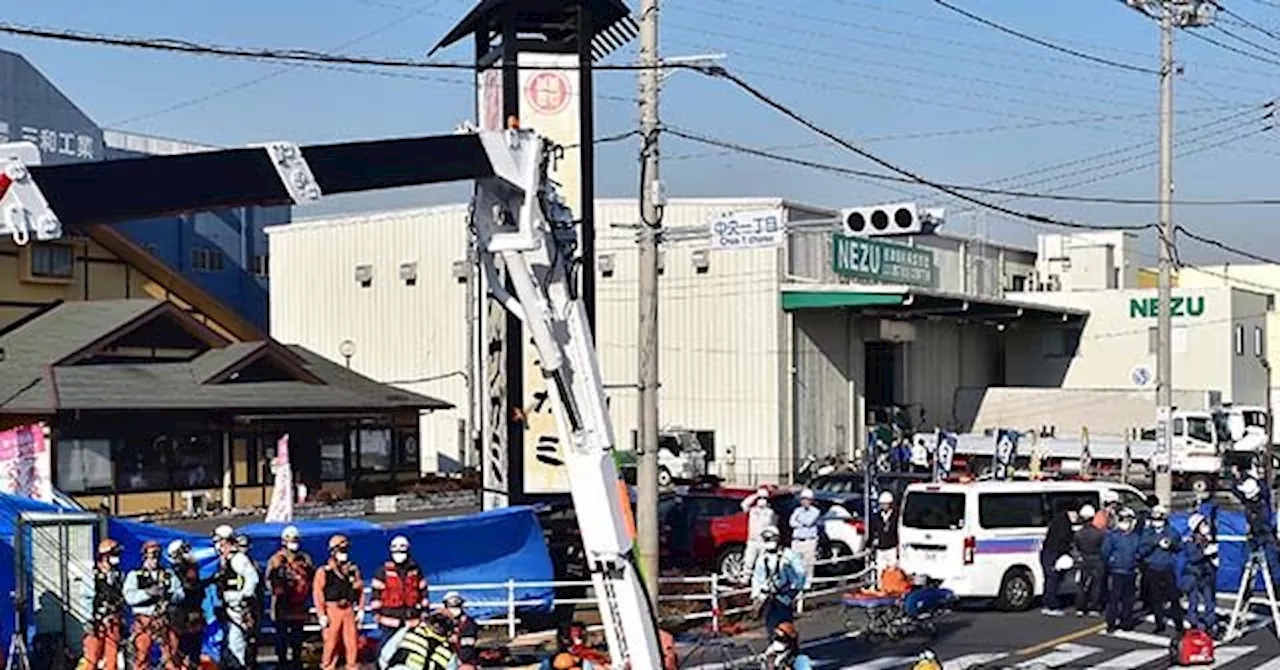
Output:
(881, 262)
(753, 229)
(33, 110)
(25, 468)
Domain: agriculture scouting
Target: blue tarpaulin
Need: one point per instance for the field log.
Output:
(486, 548)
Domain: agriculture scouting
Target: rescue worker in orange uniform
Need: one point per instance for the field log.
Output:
(105, 599)
(150, 591)
(338, 593)
(291, 574)
(399, 591)
(188, 615)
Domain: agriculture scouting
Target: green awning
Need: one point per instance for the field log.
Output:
(793, 300)
(904, 302)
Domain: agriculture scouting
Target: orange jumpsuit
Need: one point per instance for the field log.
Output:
(338, 591)
(104, 634)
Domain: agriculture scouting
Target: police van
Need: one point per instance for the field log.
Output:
(983, 538)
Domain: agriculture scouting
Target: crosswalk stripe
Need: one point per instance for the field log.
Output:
(885, 663)
(1225, 655)
(1273, 664)
(1063, 654)
(1145, 638)
(1131, 660)
(972, 660)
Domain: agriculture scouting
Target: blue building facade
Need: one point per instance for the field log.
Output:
(222, 252)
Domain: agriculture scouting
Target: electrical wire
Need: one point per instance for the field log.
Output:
(1233, 49)
(762, 153)
(1244, 253)
(1045, 43)
(1242, 40)
(1243, 20)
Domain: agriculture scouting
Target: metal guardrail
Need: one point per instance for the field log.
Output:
(718, 590)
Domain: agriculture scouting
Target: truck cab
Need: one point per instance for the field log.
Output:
(1199, 437)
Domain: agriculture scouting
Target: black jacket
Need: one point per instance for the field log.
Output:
(884, 536)
(1088, 542)
(1058, 540)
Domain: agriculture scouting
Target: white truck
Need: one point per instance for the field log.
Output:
(1198, 444)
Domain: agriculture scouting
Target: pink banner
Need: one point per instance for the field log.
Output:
(24, 463)
(281, 509)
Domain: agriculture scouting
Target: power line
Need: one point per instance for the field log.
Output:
(764, 153)
(1228, 248)
(1245, 21)
(1231, 48)
(1045, 43)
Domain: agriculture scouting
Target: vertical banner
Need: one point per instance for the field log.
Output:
(1086, 455)
(24, 463)
(944, 454)
(491, 385)
(1006, 452)
(281, 509)
(549, 105)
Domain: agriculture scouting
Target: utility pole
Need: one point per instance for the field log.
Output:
(1172, 14)
(647, 341)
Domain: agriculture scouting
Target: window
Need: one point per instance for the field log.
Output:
(197, 461)
(84, 465)
(262, 265)
(1259, 349)
(934, 511)
(1072, 500)
(1011, 510)
(142, 463)
(373, 448)
(1239, 340)
(1134, 502)
(333, 459)
(408, 454)
(1200, 429)
(205, 259)
(52, 261)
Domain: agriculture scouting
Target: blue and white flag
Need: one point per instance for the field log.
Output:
(944, 453)
(1006, 452)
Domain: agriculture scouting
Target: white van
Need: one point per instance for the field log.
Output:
(983, 538)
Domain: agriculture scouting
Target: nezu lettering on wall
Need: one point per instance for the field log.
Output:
(1187, 306)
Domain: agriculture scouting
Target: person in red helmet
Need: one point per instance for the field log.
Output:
(105, 598)
(150, 591)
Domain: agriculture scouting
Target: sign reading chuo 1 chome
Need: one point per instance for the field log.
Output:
(754, 229)
(863, 258)
(1179, 305)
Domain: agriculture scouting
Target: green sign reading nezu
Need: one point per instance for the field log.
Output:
(1179, 306)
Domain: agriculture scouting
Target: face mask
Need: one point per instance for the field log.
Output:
(771, 545)
(340, 557)
(399, 556)
(455, 611)
(1157, 523)
(113, 560)
(291, 546)
(762, 503)
(151, 564)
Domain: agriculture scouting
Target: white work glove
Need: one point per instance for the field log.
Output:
(324, 621)
(1165, 543)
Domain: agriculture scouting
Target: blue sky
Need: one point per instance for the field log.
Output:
(899, 75)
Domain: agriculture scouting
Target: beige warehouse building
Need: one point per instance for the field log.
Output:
(773, 346)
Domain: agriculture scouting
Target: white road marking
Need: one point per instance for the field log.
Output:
(1131, 660)
(1225, 655)
(972, 660)
(1145, 638)
(1063, 654)
(1273, 664)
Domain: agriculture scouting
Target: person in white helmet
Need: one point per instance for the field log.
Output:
(1260, 515)
(399, 590)
(777, 580)
(760, 515)
(188, 617)
(291, 574)
(237, 585)
(1200, 574)
(465, 631)
(805, 522)
(883, 532)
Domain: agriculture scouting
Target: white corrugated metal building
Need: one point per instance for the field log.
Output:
(776, 350)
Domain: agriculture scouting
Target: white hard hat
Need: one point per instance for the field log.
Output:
(1159, 512)
(762, 491)
(453, 596)
(1249, 488)
(177, 548)
(290, 533)
(1087, 511)
(886, 498)
(1064, 563)
(806, 494)
(399, 543)
(224, 532)
(1109, 496)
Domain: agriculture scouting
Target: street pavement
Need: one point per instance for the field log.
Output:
(981, 639)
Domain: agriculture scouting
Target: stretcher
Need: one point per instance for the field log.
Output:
(895, 616)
